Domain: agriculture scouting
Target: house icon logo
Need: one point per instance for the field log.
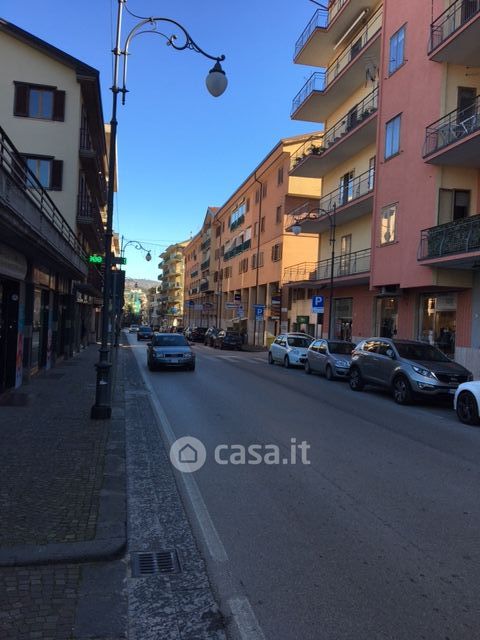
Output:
(188, 454)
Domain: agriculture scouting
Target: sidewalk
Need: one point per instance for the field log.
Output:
(62, 475)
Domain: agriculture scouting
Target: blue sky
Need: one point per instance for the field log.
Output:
(179, 149)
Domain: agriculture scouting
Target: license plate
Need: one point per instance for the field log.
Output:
(174, 360)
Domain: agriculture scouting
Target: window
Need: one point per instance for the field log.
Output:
(260, 260)
(277, 252)
(388, 231)
(247, 204)
(243, 265)
(453, 204)
(255, 230)
(257, 196)
(397, 50)
(264, 190)
(47, 171)
(392, 137)
(262, 224)
(218, 231)
(37, 101)
(278, 215)
(280, 176)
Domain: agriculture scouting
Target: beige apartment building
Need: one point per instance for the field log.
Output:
(53, 133)
(236, 262)
(172, 265)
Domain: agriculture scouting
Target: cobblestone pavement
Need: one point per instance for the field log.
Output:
(51, 458)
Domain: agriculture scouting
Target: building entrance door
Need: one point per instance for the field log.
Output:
(9, 298)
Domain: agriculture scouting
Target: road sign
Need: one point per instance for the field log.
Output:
(240, 311)
(318, 304)
(118, 260)
(259, 309)
(231, 305)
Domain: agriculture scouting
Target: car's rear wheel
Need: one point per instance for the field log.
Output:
(356, 380)
(467, 408)
(329, 372)
(286, 362)
(308, 368)
(402, 391)
(270, 358)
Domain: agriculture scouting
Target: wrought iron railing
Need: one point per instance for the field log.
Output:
(237, 223)
(452, 127)
(317, 144)
(85, 140)
(205, 264)
(14, 165)
(234, 251)
(321, 20)
(458, 236)
(205, 244)
(457, 14)
(321, 80)
(348, 264)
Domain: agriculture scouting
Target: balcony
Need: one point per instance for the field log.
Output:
(454, 35)
(237, 223)
(194, 273)
(455, 138)
(454, 244)
(326, 28)
(352, 133)
(205, 264)
(205, 245)
(347, 269)
(234, 251)
(328, 89)
(206, 285)
(352, 201)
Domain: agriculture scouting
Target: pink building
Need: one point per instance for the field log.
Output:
(397, 93)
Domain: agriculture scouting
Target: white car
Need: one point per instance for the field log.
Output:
(467, 401)
(290, 349)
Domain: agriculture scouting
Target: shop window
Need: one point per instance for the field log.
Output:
(387, 317)
(438, 320)
(342, 318)
(388, 224)
(453, 204)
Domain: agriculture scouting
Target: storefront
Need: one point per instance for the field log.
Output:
(386, 317)
(438, 320)
(342, 318)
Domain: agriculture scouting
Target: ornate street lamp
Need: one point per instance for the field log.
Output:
(296, 229)
(216, 83)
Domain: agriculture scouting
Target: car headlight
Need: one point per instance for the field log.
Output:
(423, 372)
(342, 364)
(157, 354)
(188, 355)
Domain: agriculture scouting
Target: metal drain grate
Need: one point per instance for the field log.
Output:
(147, 563)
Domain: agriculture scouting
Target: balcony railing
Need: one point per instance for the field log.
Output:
(344, 265)
(452, 127)
(321, 20)
(205, 265)
(239, 248)
(237, 223)
(321, 80)
(204, 246)
(354, 189)
(316, 145)
(85, 140)
(12, 163)
(458, 236)
(457, 14)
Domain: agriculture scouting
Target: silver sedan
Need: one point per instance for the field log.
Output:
(330, 357)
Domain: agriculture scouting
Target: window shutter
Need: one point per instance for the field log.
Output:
(57, 175)
(20, 107)
(273, 251)
(59, 106)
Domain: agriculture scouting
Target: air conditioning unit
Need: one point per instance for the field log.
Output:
(390, 291)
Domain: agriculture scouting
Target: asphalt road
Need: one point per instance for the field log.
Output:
(376, 538)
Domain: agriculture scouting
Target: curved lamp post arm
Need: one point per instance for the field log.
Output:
(187, 43)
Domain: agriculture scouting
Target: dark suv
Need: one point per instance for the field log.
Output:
(228, 340)
(407, 367)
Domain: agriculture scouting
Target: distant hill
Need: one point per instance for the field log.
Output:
(140, 283)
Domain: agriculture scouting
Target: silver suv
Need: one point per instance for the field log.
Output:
(407, 367)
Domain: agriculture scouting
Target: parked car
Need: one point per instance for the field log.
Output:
(330, 357)
(467, 401)
(407, 367)
(170, 350)
(133, 328)
(290, 349)
(144, 333)
(210, 335)
(226, 339)
(195, 334)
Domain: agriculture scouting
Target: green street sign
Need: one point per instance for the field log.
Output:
(95, 259)
(119, 260)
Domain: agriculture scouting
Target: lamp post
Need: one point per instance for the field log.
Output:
(216, 83)
(297, 228)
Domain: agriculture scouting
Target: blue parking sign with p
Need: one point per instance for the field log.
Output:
(318, 304)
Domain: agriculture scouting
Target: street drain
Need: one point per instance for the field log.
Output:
(147, 563)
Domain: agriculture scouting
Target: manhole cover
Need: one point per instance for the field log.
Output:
(147, 563)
